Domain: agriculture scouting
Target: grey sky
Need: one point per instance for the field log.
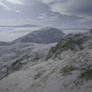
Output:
(55, 12)
(59, 13)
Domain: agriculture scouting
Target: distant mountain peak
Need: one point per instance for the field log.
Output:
(44, 35)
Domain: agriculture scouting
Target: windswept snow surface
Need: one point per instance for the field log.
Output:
(71, 72)
(47, 76)
(23, 53)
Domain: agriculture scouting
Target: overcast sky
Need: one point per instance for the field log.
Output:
(60, 13)
(46, 12)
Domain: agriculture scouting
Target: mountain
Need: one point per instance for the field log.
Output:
(13, 56)
(74, 42)
(45, 35)
(4, 43)
(67, 67)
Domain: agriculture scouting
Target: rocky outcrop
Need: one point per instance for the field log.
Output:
(74, 42)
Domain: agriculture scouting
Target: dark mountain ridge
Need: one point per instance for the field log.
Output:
(44, 36)
(74, 42)
(2, 43)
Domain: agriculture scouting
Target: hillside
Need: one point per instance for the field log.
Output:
(67, 68)
(12, 57)
(44, 35)
(74, 42)
(4, 43)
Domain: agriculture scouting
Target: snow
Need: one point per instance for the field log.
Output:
(55, 75)
(50, 80)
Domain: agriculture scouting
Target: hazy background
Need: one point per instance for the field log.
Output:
(41, 13)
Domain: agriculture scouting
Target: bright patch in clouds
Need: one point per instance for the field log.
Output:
(47, 1)
(10, 36)
(5, 6)
(16, 1)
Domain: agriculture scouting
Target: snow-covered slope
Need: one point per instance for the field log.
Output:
(69, 71)
(15, 55)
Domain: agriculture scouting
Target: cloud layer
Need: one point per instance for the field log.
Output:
(62, 13)
(15, 1)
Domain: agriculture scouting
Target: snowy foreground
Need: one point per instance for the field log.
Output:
(71, 72)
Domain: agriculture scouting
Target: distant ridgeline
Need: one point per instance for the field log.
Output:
(44, 36)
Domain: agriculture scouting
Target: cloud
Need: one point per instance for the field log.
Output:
(10, 36)
(20, 2)
(47, 1)
(5, 6)
(47, 12)
(80, 8)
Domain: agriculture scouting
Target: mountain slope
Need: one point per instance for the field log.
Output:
(69, 71)
(4, 43)
(74, 42)
(13, 57)
(45, 35)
